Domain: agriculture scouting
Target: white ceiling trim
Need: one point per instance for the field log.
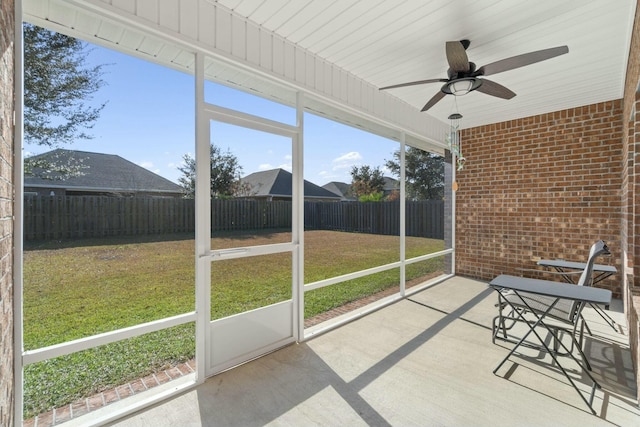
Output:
(246, 55)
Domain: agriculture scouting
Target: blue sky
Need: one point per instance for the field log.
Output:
(149, 120)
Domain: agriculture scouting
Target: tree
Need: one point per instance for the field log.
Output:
(424, 173)
(225, 174)
(58, 83)
(366, 182)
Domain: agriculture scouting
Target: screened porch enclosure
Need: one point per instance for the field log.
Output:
(281, 283)
(297, 280)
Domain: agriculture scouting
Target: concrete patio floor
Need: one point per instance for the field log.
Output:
(424, 361)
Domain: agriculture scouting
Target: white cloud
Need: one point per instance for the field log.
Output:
(287, 165)
(265, 167)
(346, 161)
(350, 157)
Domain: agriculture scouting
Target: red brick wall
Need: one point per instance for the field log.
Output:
(6, 211)
(630, 239)
(632, 223)
(546, 186)
(631, 172)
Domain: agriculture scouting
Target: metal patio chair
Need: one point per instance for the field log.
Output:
(566, 313)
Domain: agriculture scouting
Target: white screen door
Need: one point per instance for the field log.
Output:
(253, 250)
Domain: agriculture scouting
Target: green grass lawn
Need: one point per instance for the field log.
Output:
(77, 289)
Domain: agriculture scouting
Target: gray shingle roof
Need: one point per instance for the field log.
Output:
(342, 189)
(390, 184)
(277, 183)
(98, 172)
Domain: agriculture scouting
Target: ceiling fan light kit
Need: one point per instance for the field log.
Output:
(462, 86)
(463, 77)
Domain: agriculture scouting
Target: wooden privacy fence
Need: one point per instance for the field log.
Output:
(239, 214)
(423, 218)
(76, 217)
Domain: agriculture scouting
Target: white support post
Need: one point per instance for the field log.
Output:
(203, 224)
(298, 221)
(18, 224)
(403, 219)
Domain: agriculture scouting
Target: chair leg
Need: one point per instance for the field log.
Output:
(585, 325)
(494, 330)
(584, 357)
(498, 325)
(500, 321)
(580, 342)
(604, 315)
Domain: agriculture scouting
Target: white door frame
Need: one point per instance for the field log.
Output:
(267, 328)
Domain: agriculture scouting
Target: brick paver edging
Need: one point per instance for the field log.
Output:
(83, 406)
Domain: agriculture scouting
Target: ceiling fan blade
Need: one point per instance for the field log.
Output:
(521, 60)
(494, 89)
(457, 57)
(433, 101)
(419, 82)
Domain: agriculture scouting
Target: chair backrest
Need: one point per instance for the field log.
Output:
(597, 249)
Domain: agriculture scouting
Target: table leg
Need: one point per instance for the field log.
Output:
(540, 322)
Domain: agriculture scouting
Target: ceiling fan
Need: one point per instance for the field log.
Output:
(463, 77)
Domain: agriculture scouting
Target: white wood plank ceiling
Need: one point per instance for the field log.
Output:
(347, 49)
(386, 42)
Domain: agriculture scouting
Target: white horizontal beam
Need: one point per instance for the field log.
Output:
(57, 350)
(276, 248)
(350, 276)
(429, 256)
(332, 281)
(250, 121)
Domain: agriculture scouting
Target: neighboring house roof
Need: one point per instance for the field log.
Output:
(278, 182)
(98, 172)
(342, 189)
(390, 184)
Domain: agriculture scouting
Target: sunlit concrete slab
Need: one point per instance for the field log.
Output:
(426, 360)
